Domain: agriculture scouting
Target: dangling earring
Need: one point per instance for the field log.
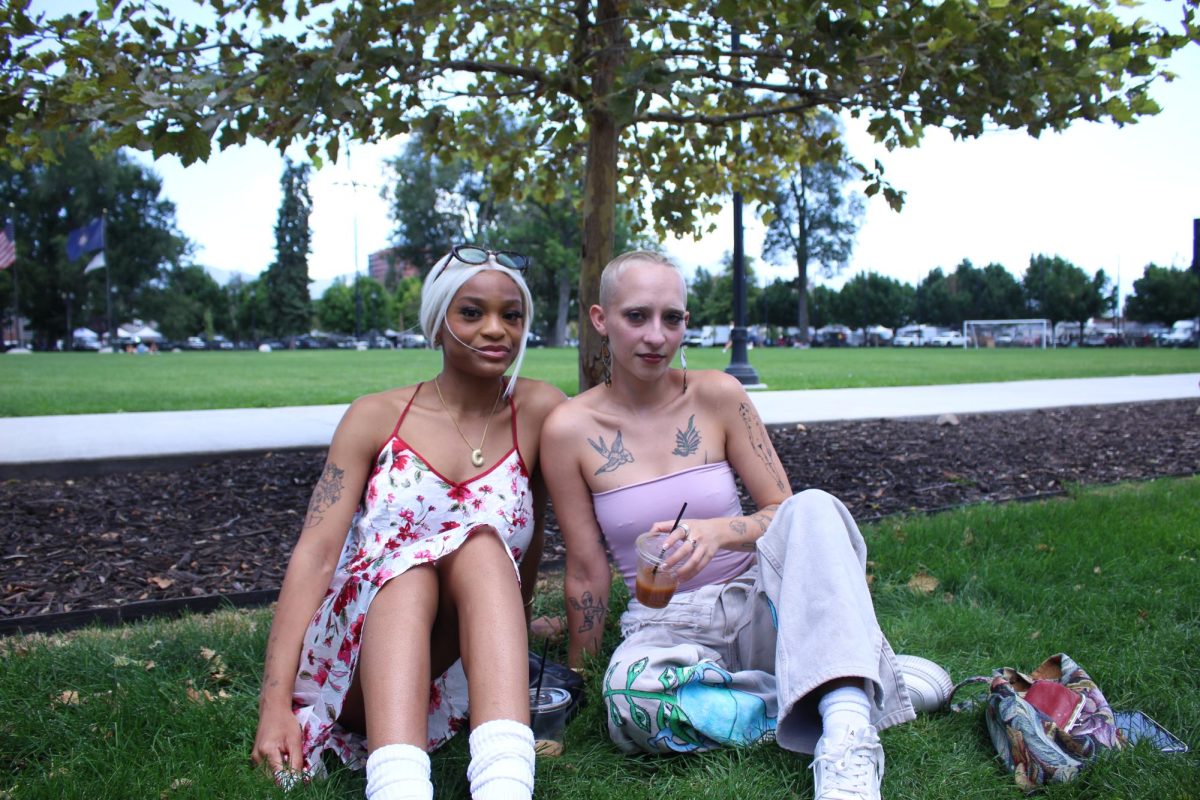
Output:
(683, 361)
(605, 362)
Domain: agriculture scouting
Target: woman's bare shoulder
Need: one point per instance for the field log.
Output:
(538, 396)
(577, 410)
(715, 387)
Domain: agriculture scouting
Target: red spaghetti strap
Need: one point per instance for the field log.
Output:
(404, 413)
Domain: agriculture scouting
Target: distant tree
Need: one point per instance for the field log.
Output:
(436, 204)
(710, 296)
(648, 94)
(336, 309)
(779, 303)
(1062, 292)
(874, 299)
(812, 217)
(406, 300)
(50, 200)
(287, 278)
(1165, 295)
(933, 302)
(251, 316)
(822, 306)
(995, 294)
(969, 293)
(187, 295)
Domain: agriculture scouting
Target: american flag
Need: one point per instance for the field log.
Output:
(8, 245)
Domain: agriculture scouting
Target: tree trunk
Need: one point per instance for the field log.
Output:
(600, 185)
(802, 285)
(801, 200)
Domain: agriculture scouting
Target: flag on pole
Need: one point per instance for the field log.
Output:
(8, 245)
(86, 239)
(97, 262)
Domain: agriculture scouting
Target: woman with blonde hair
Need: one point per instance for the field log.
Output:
(418, 551)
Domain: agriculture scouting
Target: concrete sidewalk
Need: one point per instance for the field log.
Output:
(102, 442)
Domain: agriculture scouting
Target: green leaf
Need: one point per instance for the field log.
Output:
(639, 716)
(635, 669)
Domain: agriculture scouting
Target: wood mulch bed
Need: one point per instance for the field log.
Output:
(227, 526)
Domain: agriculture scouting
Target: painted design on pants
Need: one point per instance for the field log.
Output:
(685, 709)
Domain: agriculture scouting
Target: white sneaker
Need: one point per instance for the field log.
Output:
(848, 764)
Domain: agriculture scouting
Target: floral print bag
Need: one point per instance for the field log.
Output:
(1048, 725)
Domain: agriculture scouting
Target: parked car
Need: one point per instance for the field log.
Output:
(412, 340)
(1182, 334)
(534, 340)
(906, 340)
(948, 339)
(695, 338)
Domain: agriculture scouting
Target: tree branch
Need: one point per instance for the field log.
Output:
(724, 119)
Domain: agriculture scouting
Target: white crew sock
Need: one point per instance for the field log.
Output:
(847, 707)
(398, 772)
(502, 761)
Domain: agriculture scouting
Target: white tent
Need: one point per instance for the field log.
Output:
(139, 332)
(147, 334)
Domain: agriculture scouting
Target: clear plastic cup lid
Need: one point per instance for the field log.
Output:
(550, 699)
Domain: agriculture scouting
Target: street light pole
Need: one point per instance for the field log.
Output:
(739, 364)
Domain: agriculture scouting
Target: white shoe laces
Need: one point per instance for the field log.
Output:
(852, 768)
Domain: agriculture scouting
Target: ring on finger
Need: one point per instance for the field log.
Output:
(687, 532)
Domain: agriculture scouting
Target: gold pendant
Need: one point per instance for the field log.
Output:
(477, 457)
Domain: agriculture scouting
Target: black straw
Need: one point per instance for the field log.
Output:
(663, 552)
(537, 693)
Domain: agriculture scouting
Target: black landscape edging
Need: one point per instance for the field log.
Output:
(131, 612)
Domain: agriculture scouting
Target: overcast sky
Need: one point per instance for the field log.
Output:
(1100, 196)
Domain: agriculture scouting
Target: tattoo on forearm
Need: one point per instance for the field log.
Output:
(738, 527)
(325, 494)
(763, 520)
(591, 609)
(617, 455)
(687, 442)
(761, 444)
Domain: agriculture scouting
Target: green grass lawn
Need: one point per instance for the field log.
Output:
(77, 383)
(1109, 575)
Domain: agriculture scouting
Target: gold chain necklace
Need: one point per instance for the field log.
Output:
(476, 452)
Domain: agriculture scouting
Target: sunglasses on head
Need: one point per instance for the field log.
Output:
(473, 255)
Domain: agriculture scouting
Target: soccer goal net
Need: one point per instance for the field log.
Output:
(1008, 333)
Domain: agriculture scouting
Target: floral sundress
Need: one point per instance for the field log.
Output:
(409, 515)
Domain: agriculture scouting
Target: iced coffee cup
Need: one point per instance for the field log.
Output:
(548, 719)
(656, 582)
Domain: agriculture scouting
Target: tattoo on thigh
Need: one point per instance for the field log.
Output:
(687, 442)
(591, 609)
(760, 443)
(325, 494)
(617, 455)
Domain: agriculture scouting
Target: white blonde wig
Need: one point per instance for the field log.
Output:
(443, 282)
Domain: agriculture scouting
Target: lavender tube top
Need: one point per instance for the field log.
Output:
(626, 513)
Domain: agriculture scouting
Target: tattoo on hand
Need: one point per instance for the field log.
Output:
(616, 456)
(761, 443)
(325, 494)
(592, 611)
(687, 442)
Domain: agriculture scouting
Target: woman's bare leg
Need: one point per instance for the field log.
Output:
(393, 666)
(478, 580)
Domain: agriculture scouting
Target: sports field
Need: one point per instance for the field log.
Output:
(77, 383)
